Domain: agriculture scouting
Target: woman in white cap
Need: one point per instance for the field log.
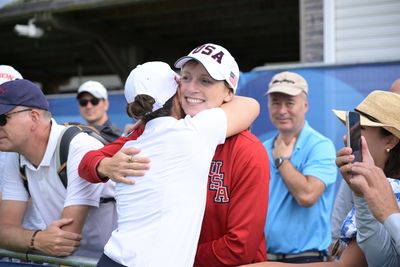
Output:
(160, 216)
(370, 239)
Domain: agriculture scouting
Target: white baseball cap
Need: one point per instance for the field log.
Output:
(94, 88)
(218, 62)
(155, 79)
(8, 73)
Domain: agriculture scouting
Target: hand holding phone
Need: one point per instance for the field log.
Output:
(353, 127)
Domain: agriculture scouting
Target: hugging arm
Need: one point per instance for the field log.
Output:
(111, 161)
(240, 112)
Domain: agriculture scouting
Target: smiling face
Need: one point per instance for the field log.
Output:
(287, 112)
(198, 91)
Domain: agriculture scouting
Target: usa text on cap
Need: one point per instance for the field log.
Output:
(218, 62)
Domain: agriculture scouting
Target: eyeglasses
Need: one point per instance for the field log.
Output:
(4, 117)
(94, 101)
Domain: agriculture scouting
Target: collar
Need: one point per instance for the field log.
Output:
(302, 136)
(55, 132)
(107, 123)
(156, 123)
(300, 140)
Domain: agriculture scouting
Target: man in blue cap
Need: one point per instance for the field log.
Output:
(27, 128)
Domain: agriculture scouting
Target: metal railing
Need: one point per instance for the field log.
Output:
(74, 261)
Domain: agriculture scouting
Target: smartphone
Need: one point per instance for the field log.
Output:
(353, 127)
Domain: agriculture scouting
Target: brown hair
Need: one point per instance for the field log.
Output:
(392, 164)
(142, 108)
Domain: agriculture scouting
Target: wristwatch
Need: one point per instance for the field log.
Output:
(279, 161)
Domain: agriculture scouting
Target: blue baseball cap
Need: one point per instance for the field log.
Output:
(21, 92)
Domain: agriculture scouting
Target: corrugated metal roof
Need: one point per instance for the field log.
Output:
(96, 37)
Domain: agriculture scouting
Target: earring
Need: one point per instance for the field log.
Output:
(387, 150)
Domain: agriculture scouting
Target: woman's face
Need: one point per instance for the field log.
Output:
(199, 91)
(377, 144)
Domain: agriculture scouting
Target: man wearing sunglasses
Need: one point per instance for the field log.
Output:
(31, 220)
(75, 220)
(93, 105)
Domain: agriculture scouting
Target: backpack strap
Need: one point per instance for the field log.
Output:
(63, 146)
(98, 132)
(22, 173)
(62, 150)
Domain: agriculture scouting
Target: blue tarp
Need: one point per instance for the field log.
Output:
(339, 87)
(332, 87)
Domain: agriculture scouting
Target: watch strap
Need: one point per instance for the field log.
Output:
(279, 161)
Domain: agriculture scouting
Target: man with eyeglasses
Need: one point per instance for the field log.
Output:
(303, 175)
(93, 105)
(75, 219)
(31, 220)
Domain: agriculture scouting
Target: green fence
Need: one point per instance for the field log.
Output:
(74, 261)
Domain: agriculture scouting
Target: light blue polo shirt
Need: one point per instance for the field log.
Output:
(291, 228)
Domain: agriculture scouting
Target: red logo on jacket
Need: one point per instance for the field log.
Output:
(217, 182)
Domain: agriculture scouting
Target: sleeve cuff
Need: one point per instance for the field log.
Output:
(392, 225)
(96, 174)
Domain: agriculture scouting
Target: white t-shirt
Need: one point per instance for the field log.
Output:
(2, 166)
(32, 219)
(49, 196)
(160, 216)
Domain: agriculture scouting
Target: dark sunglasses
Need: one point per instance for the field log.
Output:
(4, 117)
(94, 101)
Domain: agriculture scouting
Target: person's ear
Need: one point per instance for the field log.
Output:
(229, 96)
(35, 115)
(391, 142)
(306, 102)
